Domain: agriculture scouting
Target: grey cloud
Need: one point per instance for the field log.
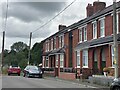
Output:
(34, 11)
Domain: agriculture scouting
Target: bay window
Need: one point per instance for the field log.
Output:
(85, 58)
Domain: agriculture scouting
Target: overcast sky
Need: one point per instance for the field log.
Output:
(24, 17)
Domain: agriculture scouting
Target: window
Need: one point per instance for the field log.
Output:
(46, 62)
(61, 41)
(112, 53)
(117, 23)
(56, 60)
(94, 30)
(54, 43)
(43, 62)
(85, 58)
(78, 59)
(51, 44)
(80, 35)
(85, 34)
(102, 28)
(61, 60)
(48, 46)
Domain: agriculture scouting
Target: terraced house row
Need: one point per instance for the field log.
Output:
(85, 47)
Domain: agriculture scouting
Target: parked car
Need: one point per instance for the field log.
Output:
(115, 85)
(32, 71)
(14, 69)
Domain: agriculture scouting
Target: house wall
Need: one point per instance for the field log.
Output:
(74, 43)
(66, 41)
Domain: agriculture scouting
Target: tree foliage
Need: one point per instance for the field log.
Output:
(19, 54)
(36, 53)
(19, 46)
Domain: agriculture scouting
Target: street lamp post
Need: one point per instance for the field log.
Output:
(115, 39)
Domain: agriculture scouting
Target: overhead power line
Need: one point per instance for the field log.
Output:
(53, 17)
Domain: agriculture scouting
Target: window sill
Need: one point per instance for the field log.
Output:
(85, 67)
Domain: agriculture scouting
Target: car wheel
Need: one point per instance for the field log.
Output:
(116, 88)
(18, 74)
(8, 74)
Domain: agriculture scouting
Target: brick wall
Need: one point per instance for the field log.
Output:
(75, 42)
(108, 25)
(89, 31)
(66, 42)
(68, 76)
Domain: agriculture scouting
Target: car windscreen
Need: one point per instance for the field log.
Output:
(33, 68)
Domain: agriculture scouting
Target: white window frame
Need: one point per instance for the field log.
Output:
(85, 33)
(85, 58)
(51, 44)
(54, 43)
(78, 59)
(43, 62)
(80, 34)
(56, 60)
(47, 62)
(61, 41)
(102, 27)
(94, 24)
(48, 46)
(61, 60)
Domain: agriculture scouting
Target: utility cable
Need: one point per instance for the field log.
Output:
(54, 17)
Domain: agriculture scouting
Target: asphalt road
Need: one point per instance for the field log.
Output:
(22, 82)
(37, 83)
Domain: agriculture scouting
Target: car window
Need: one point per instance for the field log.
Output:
(31, 68)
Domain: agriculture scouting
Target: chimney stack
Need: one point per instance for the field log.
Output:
(61, 27)
(89, 10)
(97, 6)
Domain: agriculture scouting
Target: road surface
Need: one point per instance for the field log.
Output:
(22, 82)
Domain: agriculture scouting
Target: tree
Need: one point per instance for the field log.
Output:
(36, 53)
(19, 46)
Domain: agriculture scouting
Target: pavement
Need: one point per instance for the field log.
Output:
(84, 82)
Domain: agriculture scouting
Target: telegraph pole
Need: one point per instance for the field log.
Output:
(29, 54)
(115, 39)
(2, 55)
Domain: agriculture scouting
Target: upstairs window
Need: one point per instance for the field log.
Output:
(102, 27)
(48, 46)
(51, 44)
(80, 35)
(85, 33)
(54, 43)
(61, 41)
(94, 30)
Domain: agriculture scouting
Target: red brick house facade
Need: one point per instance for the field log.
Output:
(85, 47)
